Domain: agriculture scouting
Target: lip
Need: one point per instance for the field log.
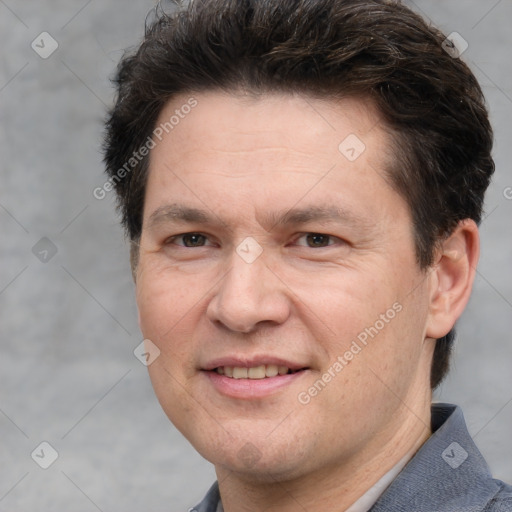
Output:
(251, 388)
(252, 362)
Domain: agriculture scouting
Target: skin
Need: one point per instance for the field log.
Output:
(246, 161)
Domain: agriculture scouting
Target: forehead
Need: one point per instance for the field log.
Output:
(292, 119)
(273, 149)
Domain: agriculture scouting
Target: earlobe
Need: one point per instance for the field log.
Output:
(452, 277)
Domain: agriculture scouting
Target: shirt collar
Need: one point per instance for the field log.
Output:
(367, 500)
(447, 467)
(447, 470)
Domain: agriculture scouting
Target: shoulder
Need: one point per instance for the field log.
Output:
(502, 501)
(448, 473)
(210, 502)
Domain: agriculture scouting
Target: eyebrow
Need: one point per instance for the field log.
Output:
(178, 213)
(294, 216)
(312, 214)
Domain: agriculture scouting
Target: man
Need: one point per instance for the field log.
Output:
(301, 183)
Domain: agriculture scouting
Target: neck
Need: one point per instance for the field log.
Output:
(333, 488)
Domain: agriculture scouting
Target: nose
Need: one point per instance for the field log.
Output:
(249, 295)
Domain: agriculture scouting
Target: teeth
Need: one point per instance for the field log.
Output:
(272, 370)
(256, 372)
(239, 373)
(282, 370)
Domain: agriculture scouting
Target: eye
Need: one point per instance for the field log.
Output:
(316, 240)
(189, 240)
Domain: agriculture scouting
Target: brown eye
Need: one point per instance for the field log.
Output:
(193, 239)
(317, 240)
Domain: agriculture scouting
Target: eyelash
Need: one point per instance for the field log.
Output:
(313, 234)
(173, 239)
(192, 233)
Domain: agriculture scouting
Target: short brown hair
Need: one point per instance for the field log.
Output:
(376, 49)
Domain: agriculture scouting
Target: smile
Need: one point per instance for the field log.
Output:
(253, 382)
(256, 372)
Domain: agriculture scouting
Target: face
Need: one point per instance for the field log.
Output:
(277, 276)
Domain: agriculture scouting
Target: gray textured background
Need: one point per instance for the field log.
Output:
(68, 326)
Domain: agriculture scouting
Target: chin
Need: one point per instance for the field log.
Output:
(257, 459)
(264, 470)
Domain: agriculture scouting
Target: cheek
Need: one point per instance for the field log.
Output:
(394, 349)
(374, 323)
(164, 299)
(340, 304)
(169, 318)
(169, 313)
(170, 386)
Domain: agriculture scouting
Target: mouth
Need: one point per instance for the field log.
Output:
(263, 371)
(239, 379)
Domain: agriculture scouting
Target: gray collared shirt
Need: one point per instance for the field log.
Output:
(447, 474)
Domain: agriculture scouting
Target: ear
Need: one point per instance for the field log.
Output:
(451, 278)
